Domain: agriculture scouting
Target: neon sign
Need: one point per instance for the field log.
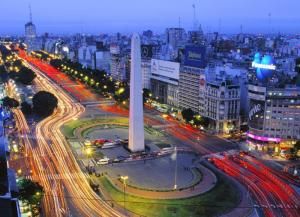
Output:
(264, 66)
(262, 138)
(257, 108)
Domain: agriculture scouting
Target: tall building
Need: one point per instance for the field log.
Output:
(176, 37)
(190, 81)
(274, 117)
(136, 115)
(30, 34)
(274, 102)
(102, 57)
(30, 29)
(222, 102)
(191, 78)
(196, 36)
(164, 81)
(86, 55)
(147, 54)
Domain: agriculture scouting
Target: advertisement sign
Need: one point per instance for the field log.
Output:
(256, 114)
(264, 66)
(195, 56)
(165, 68)
(146, 51)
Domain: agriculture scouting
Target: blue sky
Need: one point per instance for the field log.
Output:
(101, 16)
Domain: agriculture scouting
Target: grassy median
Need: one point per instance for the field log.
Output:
(219, 200)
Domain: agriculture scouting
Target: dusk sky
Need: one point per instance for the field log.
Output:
(110, 16)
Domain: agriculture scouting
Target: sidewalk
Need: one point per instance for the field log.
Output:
(208, 182)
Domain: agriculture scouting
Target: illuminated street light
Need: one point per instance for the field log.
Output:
(121, 90)
(124, 178)
(89, 151)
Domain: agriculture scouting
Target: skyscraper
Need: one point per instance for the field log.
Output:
(30, 30)
(136, 119)
(30, 35)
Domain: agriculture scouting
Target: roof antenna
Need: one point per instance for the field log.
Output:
(194, 17)
(30, 14)
(179, 22)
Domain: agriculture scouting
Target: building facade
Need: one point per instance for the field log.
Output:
(165, 81)
(274, 117)
(222, 105)
(189, 87)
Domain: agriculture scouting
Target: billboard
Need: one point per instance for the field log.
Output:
(165, 68)
(264, 66)
(146, 51)
(194, 56)
(256, 114)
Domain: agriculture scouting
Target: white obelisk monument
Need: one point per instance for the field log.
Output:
(136, 114)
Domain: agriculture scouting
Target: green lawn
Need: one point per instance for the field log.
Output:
(69, 127)
(212, 203)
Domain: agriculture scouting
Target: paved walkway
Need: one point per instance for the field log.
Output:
(208, 182)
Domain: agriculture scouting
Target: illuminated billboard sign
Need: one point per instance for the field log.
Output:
(264, 66)
(167, 69)
(194, 56)
(146, 51)
(256, 114)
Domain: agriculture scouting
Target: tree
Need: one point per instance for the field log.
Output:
(187, 114)
(26, 75)
(56, 63)
(146, 94)
(26, 108)
(3, 74)
(204, 121)
(44, 103)
(30, 191)
(297, 146)
(297, 68)
(10, 102)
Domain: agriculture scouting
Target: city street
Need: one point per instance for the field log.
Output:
(71, 194)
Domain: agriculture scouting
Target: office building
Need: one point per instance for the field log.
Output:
(102, 57)
(222, 102)
(192, 78)
(176, 37)
(165, 81)
(274, 117)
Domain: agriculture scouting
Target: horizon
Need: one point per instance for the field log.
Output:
(227, 18)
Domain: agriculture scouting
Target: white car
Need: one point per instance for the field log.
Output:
(108, 145)
(103, 161)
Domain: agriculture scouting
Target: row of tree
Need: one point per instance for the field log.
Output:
(96, 79)
(14, 68)
(191, 117)
(43, 104)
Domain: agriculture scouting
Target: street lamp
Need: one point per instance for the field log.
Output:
(124, 178)
(89, 153)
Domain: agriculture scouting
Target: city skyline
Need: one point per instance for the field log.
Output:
(254, 16)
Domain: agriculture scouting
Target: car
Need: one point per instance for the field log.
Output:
(116, 160)
(108, 145)
(103, 161)
(124, 142)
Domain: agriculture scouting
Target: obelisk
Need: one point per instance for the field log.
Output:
(136, 115)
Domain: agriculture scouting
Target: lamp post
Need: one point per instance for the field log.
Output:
(175, 178)
(89, 152)
(124, 178)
